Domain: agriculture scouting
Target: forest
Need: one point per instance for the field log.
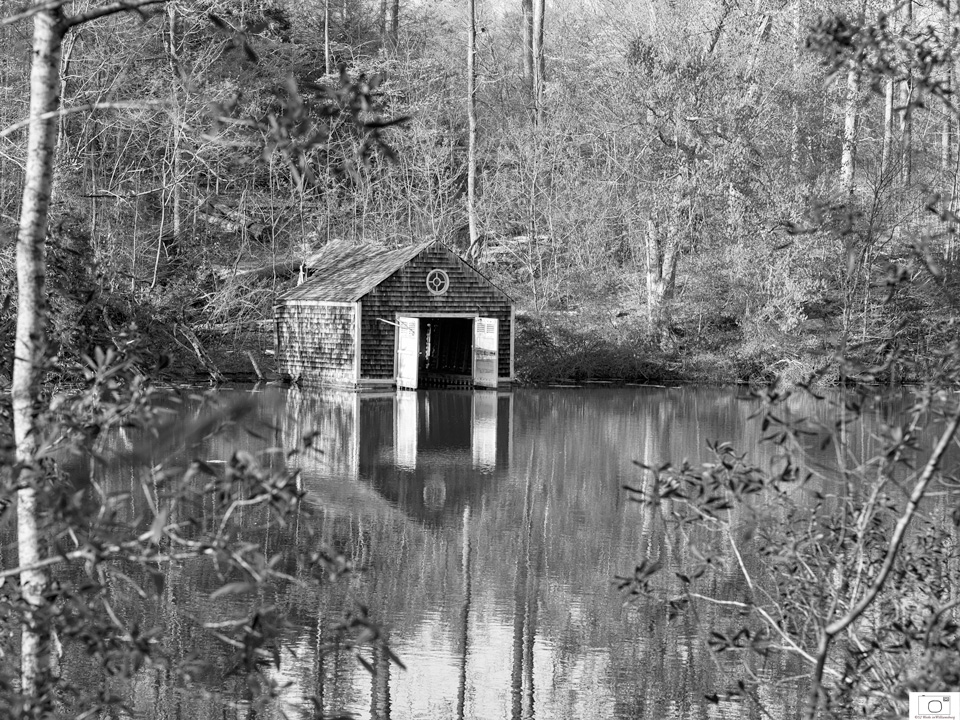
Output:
(670, 191)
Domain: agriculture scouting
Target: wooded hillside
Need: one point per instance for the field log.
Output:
(676, 190)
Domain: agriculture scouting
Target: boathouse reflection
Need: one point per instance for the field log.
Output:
(484, 531)
(410, 447)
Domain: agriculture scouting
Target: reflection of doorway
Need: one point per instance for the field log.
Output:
(446, 350)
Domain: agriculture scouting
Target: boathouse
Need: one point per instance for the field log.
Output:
(370, 316)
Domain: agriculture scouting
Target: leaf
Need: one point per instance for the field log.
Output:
(393, 658)
(251, 54)
(234, 588)
(159, 581)
(366, 664)
(221, 24)
(159, 522)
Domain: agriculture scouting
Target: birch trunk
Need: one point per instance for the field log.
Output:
(795, 118)
(526, 30)
(464, 614)
(326, 36)
(946, 133)
(539, 65)
(887, 126)
(906, 118)
(173, 57)
(473, 251)
(848, 158)
(28, 362)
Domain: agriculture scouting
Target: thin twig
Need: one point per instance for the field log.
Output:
(791, 645)
(743, 568)
(936, 618)
(31, 11)
(893, 549)
(114, 105)
(111, 9)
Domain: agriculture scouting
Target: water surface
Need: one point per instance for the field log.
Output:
(488, 529)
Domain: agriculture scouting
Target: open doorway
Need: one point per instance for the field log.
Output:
(446, 351)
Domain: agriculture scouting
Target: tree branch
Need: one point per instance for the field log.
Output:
(111, 9)
(790, 644)
(936, 618)
(31, 11)
(73, 20)
(114, 105)
(893, 549)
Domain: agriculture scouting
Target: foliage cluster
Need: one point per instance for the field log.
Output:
(113, 549)
(845, 545)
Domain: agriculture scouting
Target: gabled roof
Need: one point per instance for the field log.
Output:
(345, 272)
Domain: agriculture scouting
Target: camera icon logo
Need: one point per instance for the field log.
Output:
(935, 706)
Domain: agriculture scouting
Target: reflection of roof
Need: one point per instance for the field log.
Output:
(345, 272)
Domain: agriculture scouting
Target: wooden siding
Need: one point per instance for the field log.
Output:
(406, 292)
(316, 342)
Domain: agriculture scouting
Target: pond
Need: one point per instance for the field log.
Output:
(487, 529)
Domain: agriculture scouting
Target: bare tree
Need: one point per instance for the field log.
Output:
(526, 33)
(51, 25)
(395, 23)
(661, 252)
(539, 66)
(474, 250)
(849, 152)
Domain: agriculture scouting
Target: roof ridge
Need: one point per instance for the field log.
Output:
(351, 270)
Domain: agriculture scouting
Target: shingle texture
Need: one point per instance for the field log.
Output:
(405, 291)
(316, 341)
(345, 272)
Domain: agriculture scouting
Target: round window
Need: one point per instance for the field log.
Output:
(438, 282)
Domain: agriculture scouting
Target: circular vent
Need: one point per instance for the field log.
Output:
(438, 282)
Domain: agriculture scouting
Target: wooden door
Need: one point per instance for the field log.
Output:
(408, 352)
(485, 352)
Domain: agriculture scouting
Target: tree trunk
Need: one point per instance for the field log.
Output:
(848, 158)
(887, 126)
(380, 684)
(473, 252)
(661, 272)
(798, 48)
(395, 23)
(760, 35)
(464, 614)
(539, 66)
(29, 353)
(173, 45)
(906, 117)
(946, 133)
(526, 30)
(326, 36)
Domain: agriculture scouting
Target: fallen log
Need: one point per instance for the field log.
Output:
(216, 377)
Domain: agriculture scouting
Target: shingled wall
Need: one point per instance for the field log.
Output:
(316, 342)
(406, 292)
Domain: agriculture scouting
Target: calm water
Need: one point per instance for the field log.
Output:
(490, 528)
